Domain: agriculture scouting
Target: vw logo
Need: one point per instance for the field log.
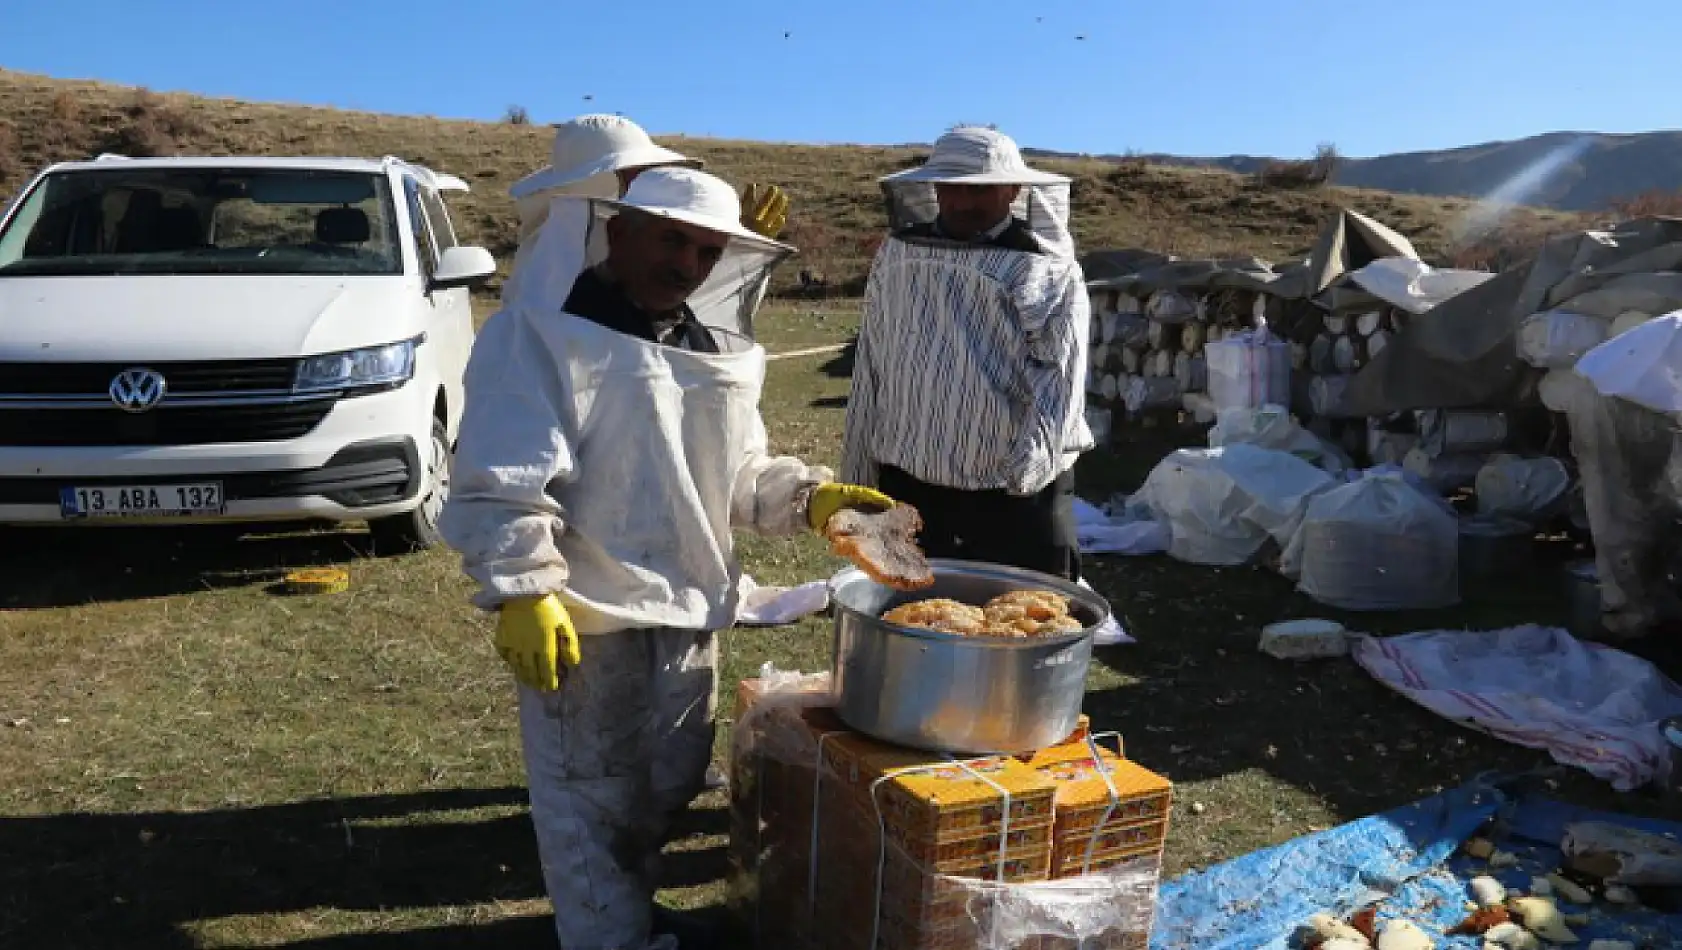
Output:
(137, 390)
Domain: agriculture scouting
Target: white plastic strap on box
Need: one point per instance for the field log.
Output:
(1115, 796)
(812, 858)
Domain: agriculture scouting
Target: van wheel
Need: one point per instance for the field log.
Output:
(417, 530)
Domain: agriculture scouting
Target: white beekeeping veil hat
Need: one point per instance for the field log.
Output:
(974, 155)
(727, 299)
(584, 158)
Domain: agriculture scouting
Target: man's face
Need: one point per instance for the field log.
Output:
(969, 210)
(660, 262)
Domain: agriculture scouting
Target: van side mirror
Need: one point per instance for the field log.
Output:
(462, 267)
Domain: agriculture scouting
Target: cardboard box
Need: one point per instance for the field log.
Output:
(1084, 799)
(913, 908)
(1110, 820)
(773, 788)
(802, 766)
(926, 800)
(1070, 858)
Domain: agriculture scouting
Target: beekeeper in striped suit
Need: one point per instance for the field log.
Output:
(968, 396)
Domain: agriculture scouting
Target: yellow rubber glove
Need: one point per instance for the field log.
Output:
(831, 497)
(765, 210)
(535, 637)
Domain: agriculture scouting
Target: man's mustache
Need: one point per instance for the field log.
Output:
(671, 277)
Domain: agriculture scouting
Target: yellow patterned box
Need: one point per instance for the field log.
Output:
(851, 827)
(926, 799)
(1084, 799)
(1113, 847)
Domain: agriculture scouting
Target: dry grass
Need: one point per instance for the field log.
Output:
(1660, 204)
(193, 761)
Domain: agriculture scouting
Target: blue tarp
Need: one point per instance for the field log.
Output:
(1405, 861)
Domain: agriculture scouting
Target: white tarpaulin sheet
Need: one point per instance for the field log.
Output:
(1415, 286)
(1223, 505)
(1642, 365)
(1100, 533)
(1588, 705)
(775, 606)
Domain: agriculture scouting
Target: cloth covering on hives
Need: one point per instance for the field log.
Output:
(1404, 860)
(1463, 353)
(1402, 282)
(1629, 463)
(1348, 242)
(1272, 427)
(1242, 273)
(1224, 505)
(1377, 543)
(1509, 341)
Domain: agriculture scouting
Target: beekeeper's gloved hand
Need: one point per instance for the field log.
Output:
(535, 637)
(831, 497)
(765, 210)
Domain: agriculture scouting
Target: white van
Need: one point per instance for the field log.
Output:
(233, 339)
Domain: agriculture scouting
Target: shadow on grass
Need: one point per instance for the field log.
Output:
(132, 880)
(525, 933)
(840, 366)
(69, 567)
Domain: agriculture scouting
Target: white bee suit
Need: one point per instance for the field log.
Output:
(611, 471)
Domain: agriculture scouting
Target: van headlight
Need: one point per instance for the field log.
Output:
(372, 368)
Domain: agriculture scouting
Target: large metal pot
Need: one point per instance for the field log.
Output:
(946, 693)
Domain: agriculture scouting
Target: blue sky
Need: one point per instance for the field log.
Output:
(1198, 77)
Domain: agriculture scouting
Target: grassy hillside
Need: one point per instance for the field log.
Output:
(837, 208)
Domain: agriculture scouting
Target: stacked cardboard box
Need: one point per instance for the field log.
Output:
(842, 842)
(1108, 809)
(918, 818)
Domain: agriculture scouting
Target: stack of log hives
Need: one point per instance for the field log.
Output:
(1327, 349)
(1150, 331)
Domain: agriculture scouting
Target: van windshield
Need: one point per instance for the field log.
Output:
(202, 221)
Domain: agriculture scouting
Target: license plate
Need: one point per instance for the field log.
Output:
(142, 501)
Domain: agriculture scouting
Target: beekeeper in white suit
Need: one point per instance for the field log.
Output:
(608, 449)
(598, 156)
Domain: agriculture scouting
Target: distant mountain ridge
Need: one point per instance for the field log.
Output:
(1595, 169)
